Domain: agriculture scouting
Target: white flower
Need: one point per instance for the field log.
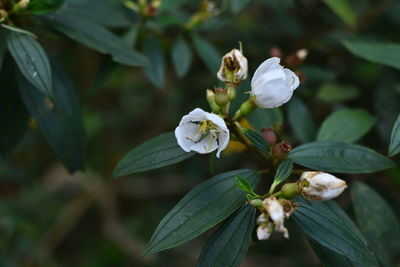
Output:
(272, 85)
(276, 214)
(233, 67)
(264, 231)
(202, 132)
(320, 185)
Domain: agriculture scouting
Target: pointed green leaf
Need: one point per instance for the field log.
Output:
(258, 141)
(31, 60)
(204, 206)
(59, 119)
(155, 153)
(283, 172)
(339, 157)
(344, 10)
(301, 121)
(39, 7)
(207, 52)
(326, 223)
(346, 125)
(229, 244)
(181, 56)
(378, 223)
(156, 71)
(394, 147)
(244, 185)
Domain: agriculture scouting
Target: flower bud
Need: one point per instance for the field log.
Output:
(221, 97)
(210, 95)
(233, 67)
(317, 185)
(3, 15)
(273, 85)
(281, 150)
(275, 52)
(256, 202)
(269, 135)
(21, 5)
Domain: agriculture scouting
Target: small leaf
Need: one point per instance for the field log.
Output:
(382, 53)
(343, 9)
(377, 221)
(31, 60)
(59, 119)
(155, 153)
(337, 93)
(326, 223)
(346, 125)
(40, 7)
(181, 56)
(229, 244)
(301, 121)
(207, 52)
(258, 141)
(283, 172)
(203, 207)
(244, 185)
(156, 71)
(394, 147)
(339, 157)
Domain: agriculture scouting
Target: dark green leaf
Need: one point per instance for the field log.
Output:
(207, 52)
(339, 157)
(381, 53)
(244, 185)
(343, 9)
(377, 221)
(336, 93)
(59, 119)
(204, 206)
(156, 71)
(171, 5)
(18, 30)
(228, 245)
(258, 141)
(346, 125)
(326, 223)
(238, 5)
(283, 172)
(181, 56)
(394, 147)
(13, 115)
(44, 6)
(96, 37)
(265, 118)
(155, 153)
(31, 60)
(301, 121)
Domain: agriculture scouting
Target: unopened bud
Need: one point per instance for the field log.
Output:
(233, 67)
(210, 95)
(3, 15)
(290, 190)
(302, 54)
(269, 135)
(256, 202)
(320, 186)
(281, 150)
(221, 97)
(275, 52)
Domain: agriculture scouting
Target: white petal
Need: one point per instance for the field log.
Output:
(268, 64)
(207, 145)
(292, 81)
(184, 133)
(223, 140)
(263, 233)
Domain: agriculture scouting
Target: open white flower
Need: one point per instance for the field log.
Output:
(233, 67)
(272, 85)
(276, 214)
(202, 132)
(320, 185)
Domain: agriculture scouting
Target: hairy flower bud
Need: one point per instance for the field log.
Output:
(233, 67)
(269, 135)
(221, 96)
(281, 150)
(320, 186)
(272, 85)
(202, 132)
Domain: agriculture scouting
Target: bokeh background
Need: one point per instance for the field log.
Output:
(49, 217)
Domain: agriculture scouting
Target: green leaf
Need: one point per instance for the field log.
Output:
(265, 118)
(283, 172)
(346, 125)
(394, 147)
(339, 157)
(96, 37)
(337, 93)
(204, 206)
(181, 56)
(244, 185)
(301, 121)
(31, 60)
(13, 115)
(258, 141)
(207, 52)
(155, 153)
(343, 9)
(18, 30)
(229, 244)
(377, 221)
(238, 5)
(156, 71)
(326, 223)
(382, 53)
(59, 119)
(39, 7)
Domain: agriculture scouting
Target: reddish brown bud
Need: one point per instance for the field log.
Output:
(269, 136)
(281, 150)
(275, 52)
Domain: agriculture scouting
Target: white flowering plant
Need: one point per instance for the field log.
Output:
(301, 184)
